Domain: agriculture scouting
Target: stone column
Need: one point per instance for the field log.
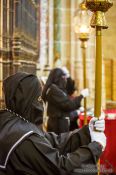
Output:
(73, 46)
(7, 58)
(66, 33)
(1, 46)
(51, 33)
(76, 51)
(43, 34)
(57, 33)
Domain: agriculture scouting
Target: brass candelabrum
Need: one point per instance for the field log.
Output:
(82, 30)
(84, 38)
(98, 21)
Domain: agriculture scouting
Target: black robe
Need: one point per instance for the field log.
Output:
(59, 108)
(59, 104)
(33, 152)
(25, 149)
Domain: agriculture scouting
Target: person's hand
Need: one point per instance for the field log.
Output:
(78, 112)
(97, 124)
(96, 128)
(98, 137)
(85, 92)
(81, 109)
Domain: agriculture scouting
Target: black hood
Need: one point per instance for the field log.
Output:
(22, 91)
(55, 77)
(21, 96)
(70, 86)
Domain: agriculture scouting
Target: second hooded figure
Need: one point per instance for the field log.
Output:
(59, 104)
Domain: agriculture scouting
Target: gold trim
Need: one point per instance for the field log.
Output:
(98, 19)
(99, 7)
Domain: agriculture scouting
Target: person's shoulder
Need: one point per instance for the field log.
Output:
(53, 88)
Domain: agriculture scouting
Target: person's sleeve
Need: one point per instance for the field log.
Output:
(40, 149)
(73, 115)
(62, 100)
(70, 141)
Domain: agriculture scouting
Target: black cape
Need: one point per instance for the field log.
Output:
(25, 149)
(34, 152)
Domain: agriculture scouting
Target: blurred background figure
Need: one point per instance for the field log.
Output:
(60, 105)
(71, 90)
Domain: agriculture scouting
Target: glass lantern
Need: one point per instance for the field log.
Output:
(82, 22)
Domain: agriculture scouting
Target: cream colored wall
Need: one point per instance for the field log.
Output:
(109, 53)
(109, 35)
(66, 33)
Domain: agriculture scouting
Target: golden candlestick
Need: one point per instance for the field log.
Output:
(82, 31)
(84, 39)
(98, 7)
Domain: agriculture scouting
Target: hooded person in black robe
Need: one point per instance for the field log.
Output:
(74, 115)
(27, 150)
(59, 105)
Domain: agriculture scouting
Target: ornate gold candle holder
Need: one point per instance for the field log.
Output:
(99, 7)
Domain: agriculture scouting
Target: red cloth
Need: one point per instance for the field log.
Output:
(108, 158)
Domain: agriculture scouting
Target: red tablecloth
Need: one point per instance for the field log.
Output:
(108, 158)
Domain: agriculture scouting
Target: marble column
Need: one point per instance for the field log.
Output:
(51, 34)
(66, 33)
(43, 35)
(57, 33)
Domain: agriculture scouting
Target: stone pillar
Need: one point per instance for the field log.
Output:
(1, 46)
(57, 33)
(7, 63)
(76, 52)
(66, 33)
(50, 34)
(91, 69)
(73, 57)
(43, 34)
